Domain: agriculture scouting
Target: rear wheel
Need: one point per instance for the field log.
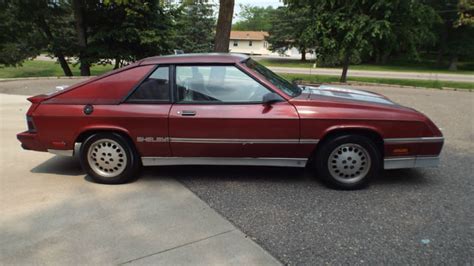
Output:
(109, 158)
(348, 161)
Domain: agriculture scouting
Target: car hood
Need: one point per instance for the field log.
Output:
(329, 102)
(344, 94)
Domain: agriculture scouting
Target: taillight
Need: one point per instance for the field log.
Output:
(31, 125)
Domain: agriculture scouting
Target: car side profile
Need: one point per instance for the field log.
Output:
(226, 109)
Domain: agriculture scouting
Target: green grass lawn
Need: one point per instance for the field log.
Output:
(404, 82)
(46, 69)
(428, 65)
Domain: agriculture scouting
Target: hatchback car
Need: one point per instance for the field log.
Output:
(226, 109)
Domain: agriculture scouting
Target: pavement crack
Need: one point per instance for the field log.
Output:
(176, 247)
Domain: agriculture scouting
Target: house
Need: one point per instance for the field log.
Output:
(254, 43)
(249, 42)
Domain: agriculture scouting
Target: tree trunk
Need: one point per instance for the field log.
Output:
(345, 67)
(41, 22)
(453, 65)
(117, 63)
(385, 57)
(443, 39)
(79, 9)
(224, 25)
(64, 65)
(303, 54)
(378, 58)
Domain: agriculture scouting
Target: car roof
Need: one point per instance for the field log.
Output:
(195, 58)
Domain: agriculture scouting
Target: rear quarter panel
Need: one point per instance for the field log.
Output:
(59, 126)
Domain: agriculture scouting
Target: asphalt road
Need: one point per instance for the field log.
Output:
(377, 74)
(418, 216)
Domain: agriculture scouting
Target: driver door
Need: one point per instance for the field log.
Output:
(219, 113)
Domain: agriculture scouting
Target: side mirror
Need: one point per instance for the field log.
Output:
(271, 98)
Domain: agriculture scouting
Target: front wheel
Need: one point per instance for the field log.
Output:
(109, 158)
(348, 162)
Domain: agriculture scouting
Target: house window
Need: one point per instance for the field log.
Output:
(236, 43)
(250, 43)
(265, 44)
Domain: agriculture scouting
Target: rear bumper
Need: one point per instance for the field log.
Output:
(411, 162)
(29, 141)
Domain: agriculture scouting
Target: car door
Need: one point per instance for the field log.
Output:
(219, 113)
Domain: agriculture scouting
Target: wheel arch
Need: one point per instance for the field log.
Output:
(368, 132)
(89, 131)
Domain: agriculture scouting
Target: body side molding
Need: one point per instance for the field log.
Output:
(414, 140)
(283, 162)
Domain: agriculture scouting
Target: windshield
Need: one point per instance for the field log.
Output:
(284, 85)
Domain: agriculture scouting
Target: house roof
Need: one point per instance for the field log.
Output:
(248, 35)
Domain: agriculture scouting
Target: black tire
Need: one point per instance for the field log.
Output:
(109, 158)
(348, 161)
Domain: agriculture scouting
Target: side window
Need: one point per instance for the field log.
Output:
(155, 88)
(217, 84)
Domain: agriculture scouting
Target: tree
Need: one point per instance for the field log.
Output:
(289, 28)
(79, 9)
(195, 24)
(254, 18)
(43, 25)
(465, 13)
(224, 25)
(455, 30)
(125, 31)
(18, 38)
(349, 29)
(409, 28)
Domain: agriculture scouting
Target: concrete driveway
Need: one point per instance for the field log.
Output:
(52, 214)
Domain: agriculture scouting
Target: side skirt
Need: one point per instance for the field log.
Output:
(283, 162)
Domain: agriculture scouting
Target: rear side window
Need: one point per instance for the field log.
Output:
(156, 88)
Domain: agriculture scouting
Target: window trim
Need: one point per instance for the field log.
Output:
(145, 101)
(175, 89)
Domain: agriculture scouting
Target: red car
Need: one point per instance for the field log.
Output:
(226, 109)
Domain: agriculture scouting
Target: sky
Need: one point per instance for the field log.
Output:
(262, 3)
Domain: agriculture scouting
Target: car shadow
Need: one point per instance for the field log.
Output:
(70, 166)
(60, 165)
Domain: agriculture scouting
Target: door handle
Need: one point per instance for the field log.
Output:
(187, 113)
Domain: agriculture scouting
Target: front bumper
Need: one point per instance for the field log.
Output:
(411, 162)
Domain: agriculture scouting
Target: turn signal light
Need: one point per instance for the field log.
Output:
(400, 150)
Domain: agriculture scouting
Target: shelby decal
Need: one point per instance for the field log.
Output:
(152, 139)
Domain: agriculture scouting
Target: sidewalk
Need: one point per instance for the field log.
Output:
(52, 215)
(376, 74)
